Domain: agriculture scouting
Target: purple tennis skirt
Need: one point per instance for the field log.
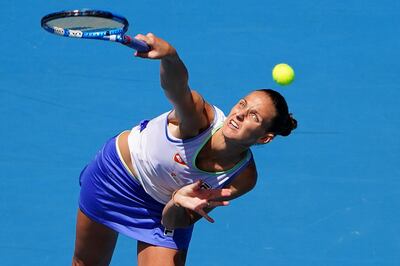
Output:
(111, 196)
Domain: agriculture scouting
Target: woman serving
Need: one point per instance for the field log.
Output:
(155, 181)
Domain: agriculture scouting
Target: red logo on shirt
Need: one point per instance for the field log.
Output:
(178, 159)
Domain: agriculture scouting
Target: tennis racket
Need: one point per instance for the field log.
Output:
(92, 24)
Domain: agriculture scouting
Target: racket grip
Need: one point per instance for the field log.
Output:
(134, 43)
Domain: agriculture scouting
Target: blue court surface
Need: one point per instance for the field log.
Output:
(327, 195)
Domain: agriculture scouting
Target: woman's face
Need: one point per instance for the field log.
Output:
(249, 119)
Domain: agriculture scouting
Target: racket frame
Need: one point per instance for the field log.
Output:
(115, 35)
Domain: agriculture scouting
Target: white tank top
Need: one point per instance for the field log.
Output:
(165, 163)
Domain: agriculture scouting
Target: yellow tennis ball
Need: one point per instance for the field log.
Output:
(283, 74)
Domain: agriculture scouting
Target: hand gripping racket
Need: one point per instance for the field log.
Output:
(92, 24)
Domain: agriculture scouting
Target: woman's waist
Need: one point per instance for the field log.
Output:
(124, 153)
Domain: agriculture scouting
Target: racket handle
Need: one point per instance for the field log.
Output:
(134, 43)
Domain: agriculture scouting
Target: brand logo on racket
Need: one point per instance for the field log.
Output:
(178, 159)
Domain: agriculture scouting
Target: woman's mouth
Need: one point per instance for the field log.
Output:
(233, 124)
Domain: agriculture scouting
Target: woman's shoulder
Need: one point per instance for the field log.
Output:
(244, 181)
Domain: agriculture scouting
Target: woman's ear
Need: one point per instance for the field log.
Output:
(266, 138)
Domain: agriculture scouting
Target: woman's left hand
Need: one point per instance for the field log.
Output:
(197, 199)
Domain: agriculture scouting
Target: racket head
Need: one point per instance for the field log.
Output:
(88, 24)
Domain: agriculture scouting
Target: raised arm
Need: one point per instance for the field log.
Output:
(190, 109)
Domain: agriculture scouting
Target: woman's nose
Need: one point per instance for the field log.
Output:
(240, 115)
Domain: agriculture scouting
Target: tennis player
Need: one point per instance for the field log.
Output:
(153, 182)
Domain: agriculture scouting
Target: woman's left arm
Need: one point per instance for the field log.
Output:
(190, 199)
(190, 203)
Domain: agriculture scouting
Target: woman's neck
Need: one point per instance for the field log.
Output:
(221, 149)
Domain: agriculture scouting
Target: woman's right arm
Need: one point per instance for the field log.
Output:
(189, 105)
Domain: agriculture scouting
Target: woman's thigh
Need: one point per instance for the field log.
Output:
(94, 242)
(150, 255)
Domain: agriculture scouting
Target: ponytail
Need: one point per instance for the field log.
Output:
(284, 122)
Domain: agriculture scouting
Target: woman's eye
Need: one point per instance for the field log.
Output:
(241, 104)
(254, 116)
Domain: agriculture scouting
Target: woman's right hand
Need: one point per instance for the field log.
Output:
(159, 47)
(197, 199)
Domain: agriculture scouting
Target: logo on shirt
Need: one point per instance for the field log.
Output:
(204, 185)
(178, 159)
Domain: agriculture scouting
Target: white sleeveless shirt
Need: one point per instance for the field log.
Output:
(165, 163)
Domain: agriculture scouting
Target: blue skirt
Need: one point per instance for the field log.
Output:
(111, 196)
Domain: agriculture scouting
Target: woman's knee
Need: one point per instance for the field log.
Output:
(150, 255)
(91, 260)
(77, 261)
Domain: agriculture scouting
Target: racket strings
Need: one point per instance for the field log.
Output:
(85, 24)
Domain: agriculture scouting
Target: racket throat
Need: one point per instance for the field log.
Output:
(113, 38)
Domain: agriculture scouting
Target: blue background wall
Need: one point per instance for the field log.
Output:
(327, 195)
